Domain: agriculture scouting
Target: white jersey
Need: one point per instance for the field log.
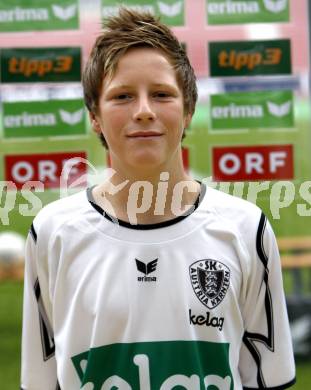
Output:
(189, 303)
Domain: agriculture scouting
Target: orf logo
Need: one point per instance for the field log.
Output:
(210, 280)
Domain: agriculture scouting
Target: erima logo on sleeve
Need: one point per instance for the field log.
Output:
(146, 269)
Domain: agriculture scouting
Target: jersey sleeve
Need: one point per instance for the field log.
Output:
(266, 356)
(38, 366)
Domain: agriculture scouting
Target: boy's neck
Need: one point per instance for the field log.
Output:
(153, 197)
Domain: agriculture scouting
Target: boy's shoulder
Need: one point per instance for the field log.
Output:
(60, 211)
(227, 204)
(233, 211)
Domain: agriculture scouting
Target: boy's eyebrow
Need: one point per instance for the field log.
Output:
(118, 86)
(163, 85)
(125, 86)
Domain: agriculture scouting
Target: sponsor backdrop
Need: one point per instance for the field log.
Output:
(30, 15)
(252, 122)
(242, 163)
(172, 12)
(251, 58)
(239, 12)
(36, 118)
(252, 110)
(48, 64)
(46, 168)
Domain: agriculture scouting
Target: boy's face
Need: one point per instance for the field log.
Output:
(141, 112)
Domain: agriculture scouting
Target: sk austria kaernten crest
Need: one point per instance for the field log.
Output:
(210, 280)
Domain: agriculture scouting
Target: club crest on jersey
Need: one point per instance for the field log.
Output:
(210, 280)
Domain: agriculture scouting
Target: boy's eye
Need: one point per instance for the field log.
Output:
(122, 96)
(162, 94)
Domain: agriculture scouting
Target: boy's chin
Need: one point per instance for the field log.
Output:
(143, 161)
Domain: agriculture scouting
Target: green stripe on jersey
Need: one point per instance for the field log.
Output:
(165, 365)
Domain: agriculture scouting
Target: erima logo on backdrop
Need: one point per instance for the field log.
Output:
(236, 111)
(245, 7)
(279, 110)
(210, 281)
(275, 6)
(37, 14)
(112, 10)
(146, 269)
(31, 120)
(170, 10)
(64, 13)
(71, 118)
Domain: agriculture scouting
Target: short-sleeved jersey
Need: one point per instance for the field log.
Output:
(188, 303)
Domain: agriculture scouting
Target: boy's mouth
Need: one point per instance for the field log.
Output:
(144, 134)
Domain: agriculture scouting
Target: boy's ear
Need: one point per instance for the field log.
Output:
(188, 118)
(94, 122)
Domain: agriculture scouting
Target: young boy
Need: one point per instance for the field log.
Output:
(176, 286)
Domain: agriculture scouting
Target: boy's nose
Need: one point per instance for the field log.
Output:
(144, 111)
